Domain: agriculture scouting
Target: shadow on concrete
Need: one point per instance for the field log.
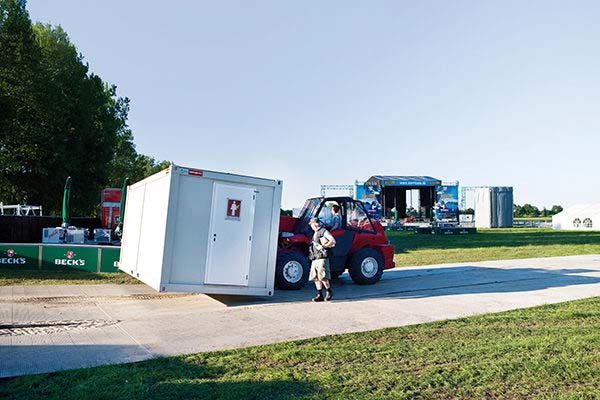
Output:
(36, 359)
(183, 377)
(454, 280)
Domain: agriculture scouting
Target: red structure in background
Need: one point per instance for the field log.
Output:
(111, 205)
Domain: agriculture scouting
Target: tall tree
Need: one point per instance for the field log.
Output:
(529, 210)
(126, 162)
(23, 133)
(81, 118)
(57, 119)
(555, 209)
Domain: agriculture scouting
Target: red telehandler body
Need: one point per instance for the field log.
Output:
(361, 245)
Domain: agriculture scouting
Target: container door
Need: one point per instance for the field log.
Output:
(230, 235)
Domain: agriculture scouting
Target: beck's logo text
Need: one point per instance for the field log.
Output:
(11, 259)
(69, 260)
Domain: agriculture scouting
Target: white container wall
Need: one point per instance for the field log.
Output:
(191, 230)
(494, 207)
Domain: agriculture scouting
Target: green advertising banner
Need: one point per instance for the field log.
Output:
(64, 257)
(59, 257)
(19, 256)
(109, 259)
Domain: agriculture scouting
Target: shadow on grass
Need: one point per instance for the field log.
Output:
(183, 377)
(245, 389)
(404, 241)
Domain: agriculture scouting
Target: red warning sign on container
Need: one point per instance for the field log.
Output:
(234, 208)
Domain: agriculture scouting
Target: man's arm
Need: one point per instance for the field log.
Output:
(330, 240)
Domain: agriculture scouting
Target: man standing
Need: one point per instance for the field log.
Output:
(320, 273)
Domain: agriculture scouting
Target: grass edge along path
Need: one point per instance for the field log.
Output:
(491, 244)
(12, 277)
(550, 351)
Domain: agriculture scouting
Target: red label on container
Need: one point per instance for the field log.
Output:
(195, 172)
(234, 208)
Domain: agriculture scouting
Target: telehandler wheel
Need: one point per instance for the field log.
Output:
(291, 271)
(366, 266)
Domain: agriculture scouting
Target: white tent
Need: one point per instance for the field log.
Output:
(579, 217)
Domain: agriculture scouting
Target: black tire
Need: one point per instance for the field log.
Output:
(355, 267)
(336, 274)
(282, 278)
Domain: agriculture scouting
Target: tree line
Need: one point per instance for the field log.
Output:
(58, 119)
(526, 211)
(530, 211)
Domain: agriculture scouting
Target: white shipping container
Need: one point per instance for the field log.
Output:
(191, 230)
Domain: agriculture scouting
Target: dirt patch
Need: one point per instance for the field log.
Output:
(50, 327)
(92, 299)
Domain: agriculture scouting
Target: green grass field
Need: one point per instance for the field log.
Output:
(411, 249)
(491, 244)
(10, 277)
(539, 353)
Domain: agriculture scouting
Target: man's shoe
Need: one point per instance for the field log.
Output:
(328, 295)
(318, 297)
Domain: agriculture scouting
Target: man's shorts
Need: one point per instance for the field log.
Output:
(319, 270)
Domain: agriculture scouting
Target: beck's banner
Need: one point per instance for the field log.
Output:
(91, 258)
(19, 256)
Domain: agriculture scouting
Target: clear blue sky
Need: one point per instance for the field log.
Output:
(487, 93)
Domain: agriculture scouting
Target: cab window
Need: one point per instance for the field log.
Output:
(357, 219)
(326, 213)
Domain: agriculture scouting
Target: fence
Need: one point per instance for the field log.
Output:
(28, 229)
(532, 223)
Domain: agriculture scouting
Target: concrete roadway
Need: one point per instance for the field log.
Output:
(50, 328)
